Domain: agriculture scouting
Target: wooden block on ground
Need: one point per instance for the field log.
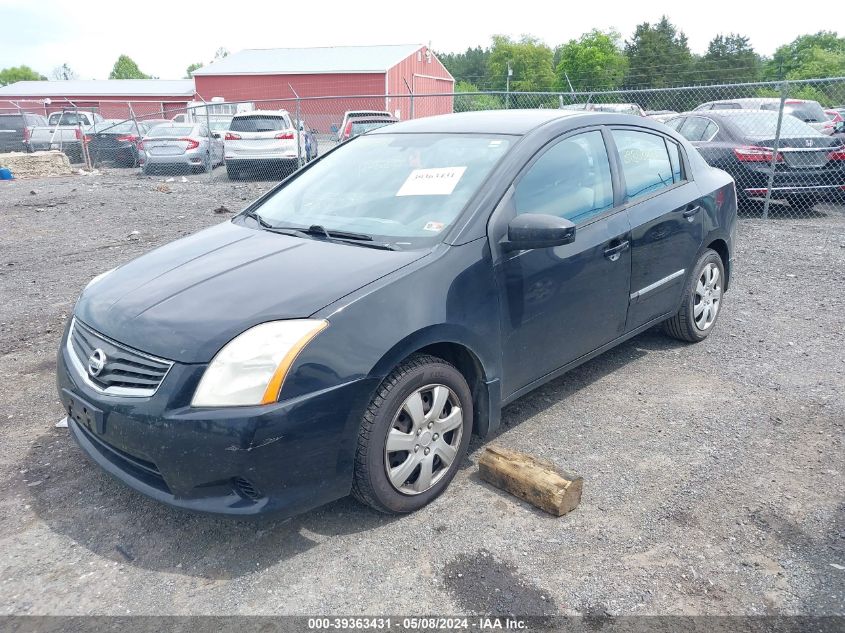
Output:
(537, 481)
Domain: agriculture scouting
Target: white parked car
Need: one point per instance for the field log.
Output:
(262, 139)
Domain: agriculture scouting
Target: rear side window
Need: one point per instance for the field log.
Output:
(645, 162)
(11, 122)
(698, 128)
(571, 180)
(259, 123)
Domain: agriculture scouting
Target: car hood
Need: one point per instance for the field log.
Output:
(187, 299)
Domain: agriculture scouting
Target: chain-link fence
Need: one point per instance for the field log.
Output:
(782, 142)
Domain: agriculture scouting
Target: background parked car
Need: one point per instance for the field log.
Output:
(115, 142)
(16, 130)
(355, 127)
(64, 132)
(173, 146)
(809, 112)
(359, 114)
(809, 166)
(262, 138)
(619, 108)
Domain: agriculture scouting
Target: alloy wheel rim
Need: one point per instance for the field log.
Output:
(423, 439)
(708, 297)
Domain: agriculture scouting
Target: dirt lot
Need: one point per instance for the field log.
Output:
(714, 474)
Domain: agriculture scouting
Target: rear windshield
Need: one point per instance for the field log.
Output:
(169, 130)
(358, 115)
(11, 122)
(259, 123)
(764, 124)
(366, 126)
(118, 128)
(68, 118)
(809, 111)
(615, 107)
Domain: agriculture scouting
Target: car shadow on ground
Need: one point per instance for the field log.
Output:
(78, 500)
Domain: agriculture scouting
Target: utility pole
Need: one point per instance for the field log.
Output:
(508, 87)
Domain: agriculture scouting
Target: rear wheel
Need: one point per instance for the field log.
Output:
(703, 294)
(413, 437)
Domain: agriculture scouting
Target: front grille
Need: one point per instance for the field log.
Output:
(806, 159)
(124, 372)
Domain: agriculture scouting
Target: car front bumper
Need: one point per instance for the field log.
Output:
(284, 458)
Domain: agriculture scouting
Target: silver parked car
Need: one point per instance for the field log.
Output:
(803, 109)
(263, 139)
(174, 145)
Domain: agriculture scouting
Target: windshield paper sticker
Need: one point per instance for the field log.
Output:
(438, 181)
(434, 226)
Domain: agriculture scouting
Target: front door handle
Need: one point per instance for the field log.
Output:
(691, 211)
(614, 252)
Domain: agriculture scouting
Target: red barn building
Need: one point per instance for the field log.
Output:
(112, 98)
(332, 80)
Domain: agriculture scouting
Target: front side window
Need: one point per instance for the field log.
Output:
(571, 180)
(645, 162)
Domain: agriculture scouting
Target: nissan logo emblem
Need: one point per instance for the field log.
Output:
(96, 362)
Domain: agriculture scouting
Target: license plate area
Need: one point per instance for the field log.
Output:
(84, 413)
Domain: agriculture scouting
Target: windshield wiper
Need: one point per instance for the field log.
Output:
(347, 237)
(257, 218)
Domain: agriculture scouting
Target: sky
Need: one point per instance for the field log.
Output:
(165, 37)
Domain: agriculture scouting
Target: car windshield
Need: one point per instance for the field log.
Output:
(764, 124)
(404, 189)
(170, 130)
(258, 123)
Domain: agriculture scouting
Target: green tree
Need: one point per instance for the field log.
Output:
(729, 59)
(592, 62)
(813, 56)
(658, 56)
(469, 66)
(189, 72)
(64, 73)
(126, 68)
(470, 102)
(19, 73)
(530, 61)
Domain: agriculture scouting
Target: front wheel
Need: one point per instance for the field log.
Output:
(703, 295)
(413, 437)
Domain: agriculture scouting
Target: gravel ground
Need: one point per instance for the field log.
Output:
(714, 473)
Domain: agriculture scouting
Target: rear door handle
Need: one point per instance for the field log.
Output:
(691, 211)
(613, 252)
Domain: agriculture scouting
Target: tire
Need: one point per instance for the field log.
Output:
(688, 326)
(433, 380)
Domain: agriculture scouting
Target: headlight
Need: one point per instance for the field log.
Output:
(251, 368)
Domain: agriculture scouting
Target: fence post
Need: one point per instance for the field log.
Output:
(298, 128)
(411, 105)
(784, 89)
(137, 131)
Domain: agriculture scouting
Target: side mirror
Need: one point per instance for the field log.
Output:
(839, 128)
(534, 230)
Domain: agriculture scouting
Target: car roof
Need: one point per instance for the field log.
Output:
(515, 122)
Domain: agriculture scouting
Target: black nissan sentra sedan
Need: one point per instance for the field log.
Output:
(349, 330)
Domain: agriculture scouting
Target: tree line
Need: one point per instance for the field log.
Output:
(657, 55)
(124, 68)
